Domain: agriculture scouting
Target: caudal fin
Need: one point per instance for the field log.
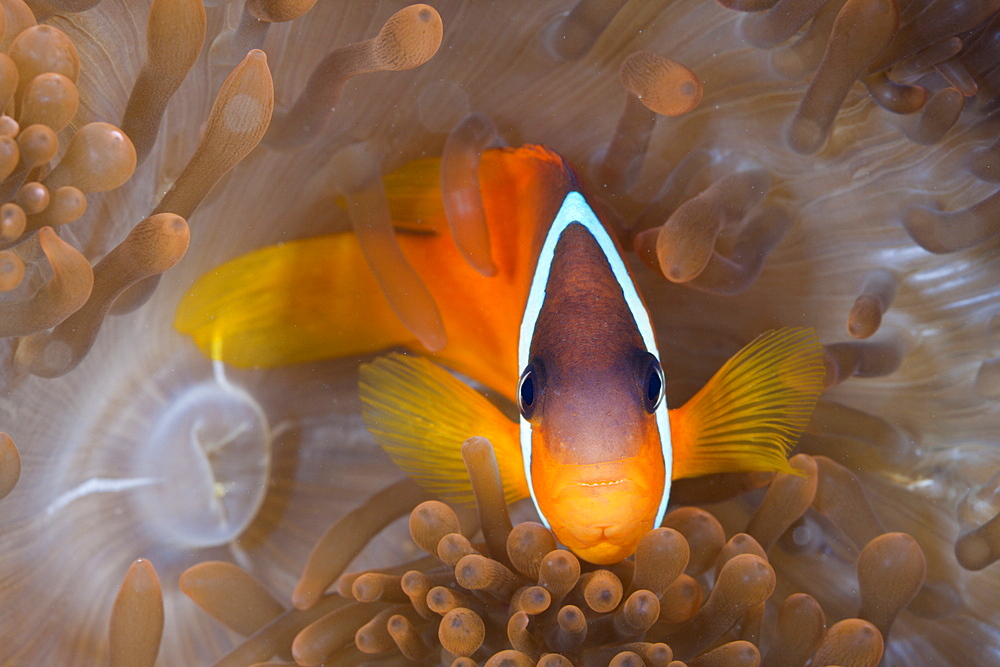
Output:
(289, 303)
(752, 411)
(421, 414)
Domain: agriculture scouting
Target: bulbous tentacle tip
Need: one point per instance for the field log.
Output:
(736, 272)
(10, 152)
(685, 244)
(637, 614)
(99, 157)
(33, 198)
(865, 317)
(663, 85)
(876, 296)
(409, 38)
(558, 573)
(278, 11)
(851, 641)
(461, 631)
(532, 600)
(743, 582)
(50, 99)
(602, 590)
(153, 246)
(980, 548)
(800, 627)
(430, 521)
(66, 204)
(527, 544)
(37, 145)
(13, 223)
(805, 136)
(891, 569)
(938, 116)
(787, 499)
(463, 202)
(378, 587)
(703, 533)
(856, 359)
(660, 558)
(10, 464)
(738, 653)
(63, 295)
(943, 232)
(407, 637)
(42, 49)
(895, 97)
(136, 625)
(11, 270)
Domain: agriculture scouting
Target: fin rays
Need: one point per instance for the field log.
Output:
(751, 412)
(421, 414)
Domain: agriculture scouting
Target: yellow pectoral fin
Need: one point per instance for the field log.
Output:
(421, 414)
(289, 303)
(750, 414)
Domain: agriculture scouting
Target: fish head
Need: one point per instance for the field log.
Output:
(597, 466)
(595, 434)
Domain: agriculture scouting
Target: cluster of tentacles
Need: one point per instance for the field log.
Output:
(514, 598)
(693, 592)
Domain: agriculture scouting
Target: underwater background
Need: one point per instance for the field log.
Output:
(876, 227)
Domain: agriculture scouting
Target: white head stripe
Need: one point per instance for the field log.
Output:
(575, 209)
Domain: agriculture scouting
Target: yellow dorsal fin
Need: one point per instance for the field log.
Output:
(751, 412)
(421, 414)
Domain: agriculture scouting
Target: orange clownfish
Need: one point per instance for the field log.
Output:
(596, 446)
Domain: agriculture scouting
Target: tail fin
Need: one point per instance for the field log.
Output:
(289, 303)
(750, 414)
(421, 414)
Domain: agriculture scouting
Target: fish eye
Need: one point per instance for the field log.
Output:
(652, 385)
(527, 391)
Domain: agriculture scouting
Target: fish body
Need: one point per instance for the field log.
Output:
(560, 329)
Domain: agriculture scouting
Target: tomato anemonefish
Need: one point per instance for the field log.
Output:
(596, 446)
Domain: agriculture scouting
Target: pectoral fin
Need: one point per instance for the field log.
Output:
(421, 414)
(751, 413)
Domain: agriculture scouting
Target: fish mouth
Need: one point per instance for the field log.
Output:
(603, 525)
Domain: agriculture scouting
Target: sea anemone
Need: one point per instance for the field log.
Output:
(833, 165)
